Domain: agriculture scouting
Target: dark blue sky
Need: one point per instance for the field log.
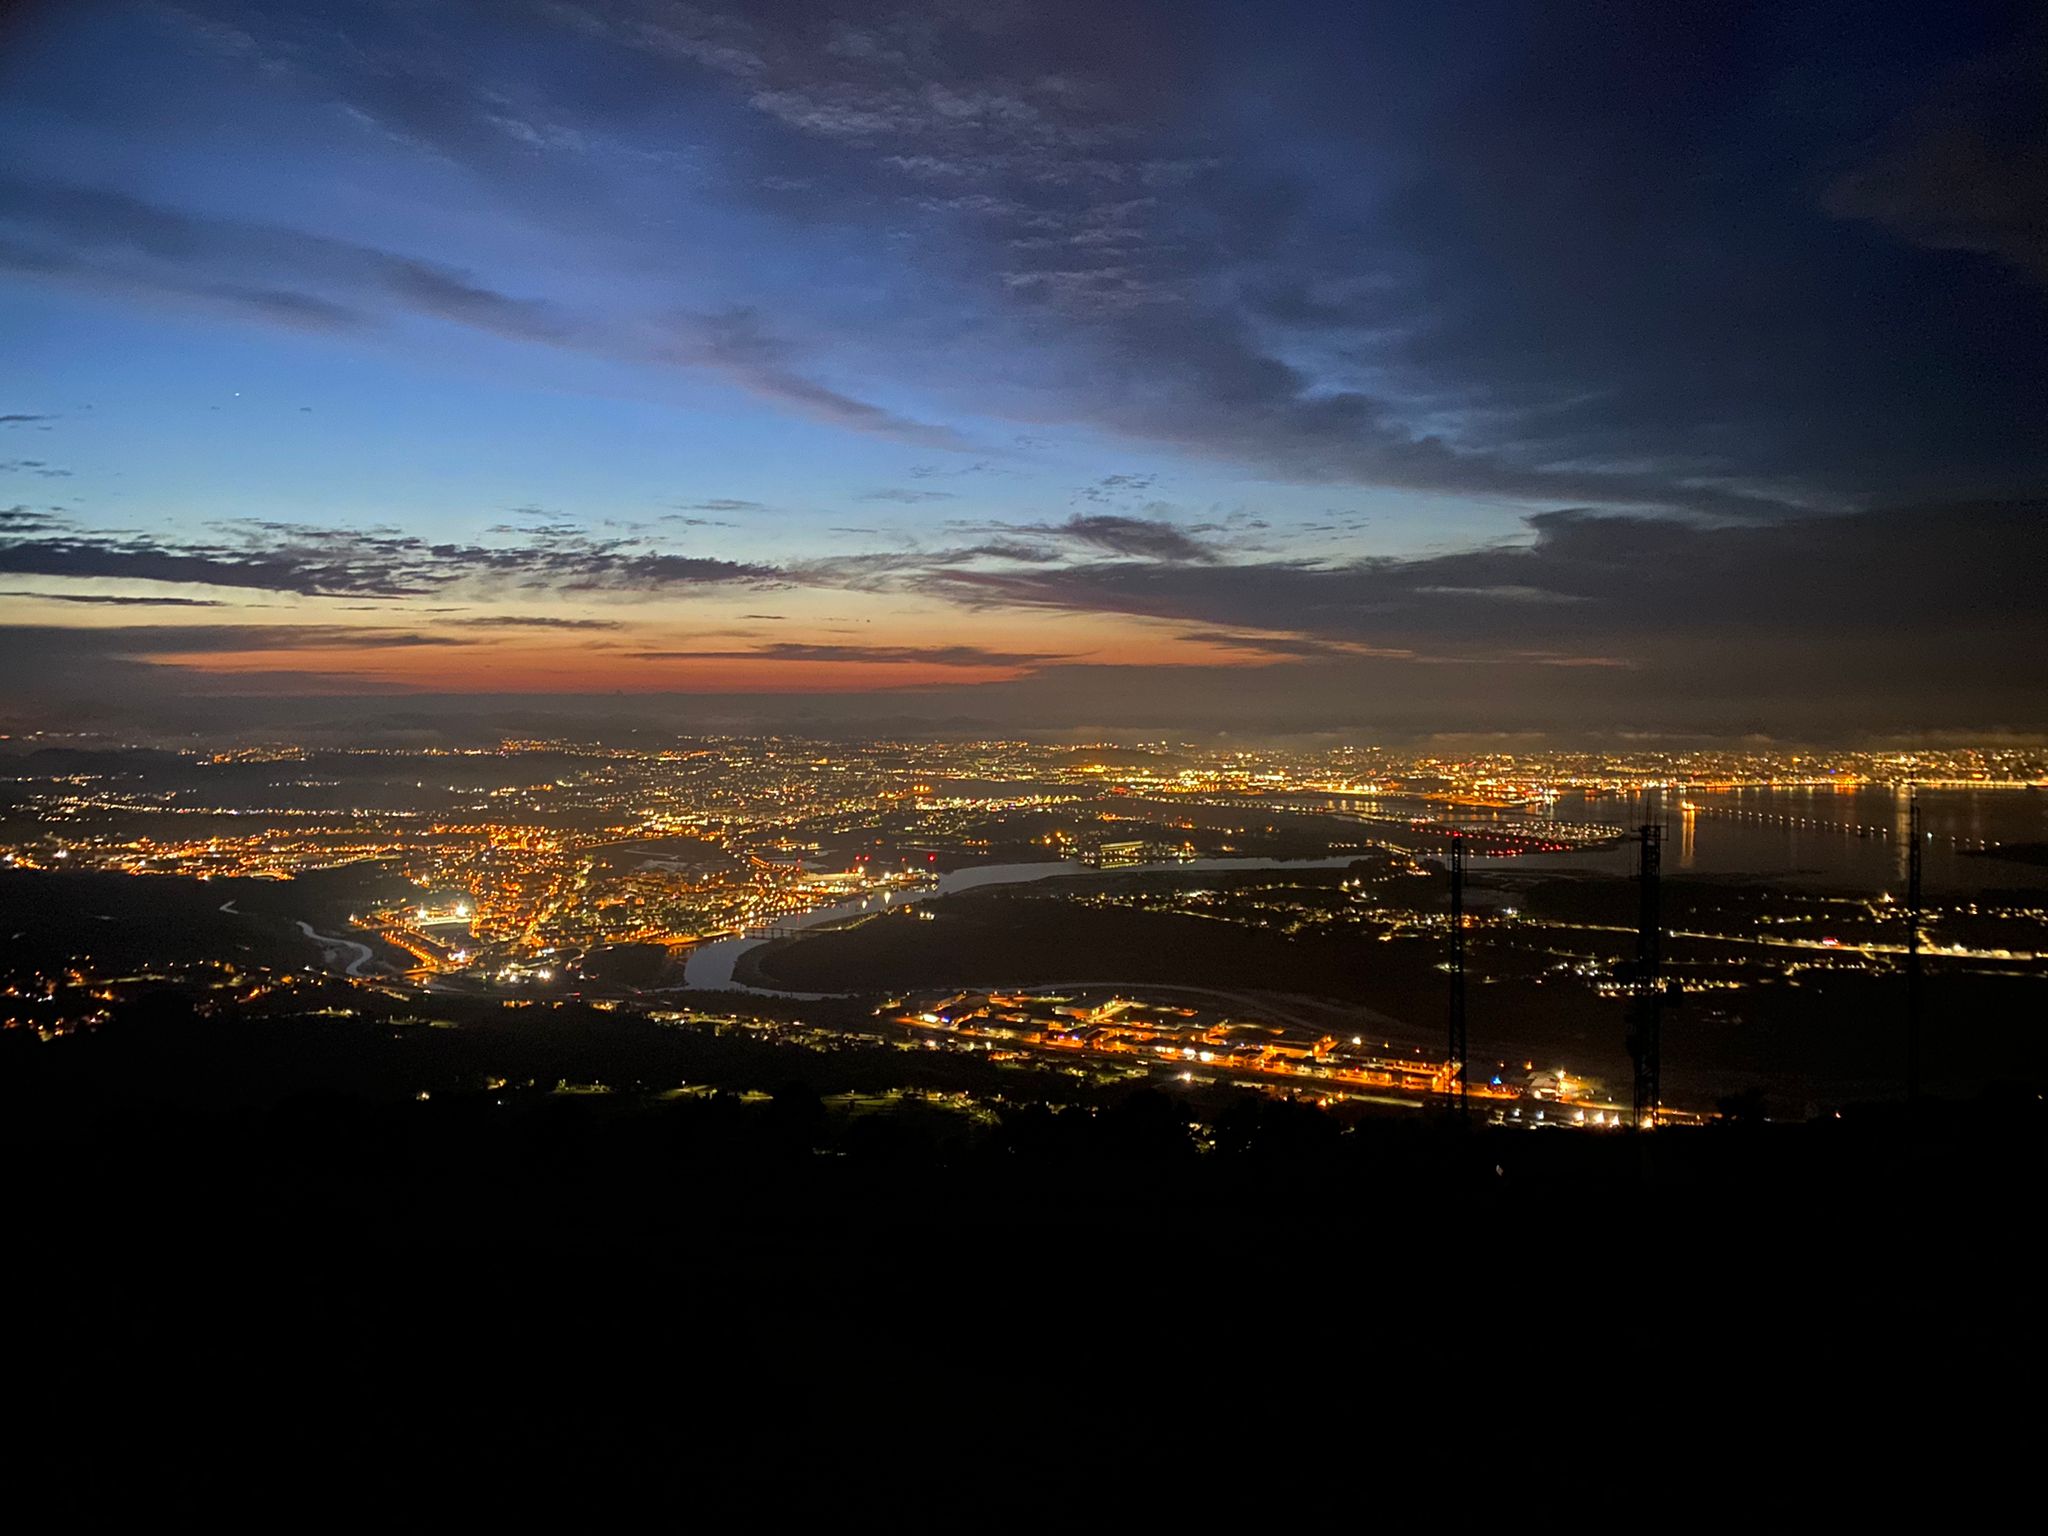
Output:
(1597, 368)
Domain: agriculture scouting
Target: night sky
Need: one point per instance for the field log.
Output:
(1527, 371)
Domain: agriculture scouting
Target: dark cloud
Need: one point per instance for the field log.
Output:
(532, 621)
(135, 671)
(303, 311)
(1140, 538)
(278, 638)
(1785, 627)
(653, 572)
(1589, 265)
(537, 530)
(282, 273)
(135, 641)
(739, 343)
(1543, 254)
(1673, 631)
(906, 497)
(1967, 168)
(1015, 551)
(1117, 489)
(372, 562)
(114, 600)
(1299, 647)
(921, 655)
(1043, 148)
(944, 472)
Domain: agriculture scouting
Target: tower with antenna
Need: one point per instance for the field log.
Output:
(1458, 1070)
(1646, 1000)
(1913, 915)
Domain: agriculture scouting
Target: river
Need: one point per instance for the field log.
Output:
(334, 950)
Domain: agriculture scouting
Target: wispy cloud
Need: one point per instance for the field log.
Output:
(888, 655)
(1513, 280)
(905, 496)
(117, 600)
(284, 276)
(1141, 538)
(738, 343)
(343, 562)
(532, 621)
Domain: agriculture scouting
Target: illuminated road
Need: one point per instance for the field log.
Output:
(1822, 946)
(1259, 1007)
(1343, 1081)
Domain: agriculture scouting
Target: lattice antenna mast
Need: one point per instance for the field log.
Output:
(1457, 1041)
(1913, 918)
(1645, 1028)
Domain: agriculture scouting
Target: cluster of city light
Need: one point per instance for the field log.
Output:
(511, 862)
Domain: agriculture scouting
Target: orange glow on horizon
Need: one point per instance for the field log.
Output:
(529, 668)
(817, 643)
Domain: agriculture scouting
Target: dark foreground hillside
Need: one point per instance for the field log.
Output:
(770, 1303)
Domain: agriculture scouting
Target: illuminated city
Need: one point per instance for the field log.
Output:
(551, 872)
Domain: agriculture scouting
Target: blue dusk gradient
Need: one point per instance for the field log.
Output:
(1384, 368)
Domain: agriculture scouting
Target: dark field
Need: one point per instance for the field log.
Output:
(111, 921)
(463, 1292)
(248, 1234)
(1002, 938)
(1805, 1043)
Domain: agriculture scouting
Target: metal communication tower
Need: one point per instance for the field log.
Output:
(1645, 1020)
(1457, 1042)
(1913, 947)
